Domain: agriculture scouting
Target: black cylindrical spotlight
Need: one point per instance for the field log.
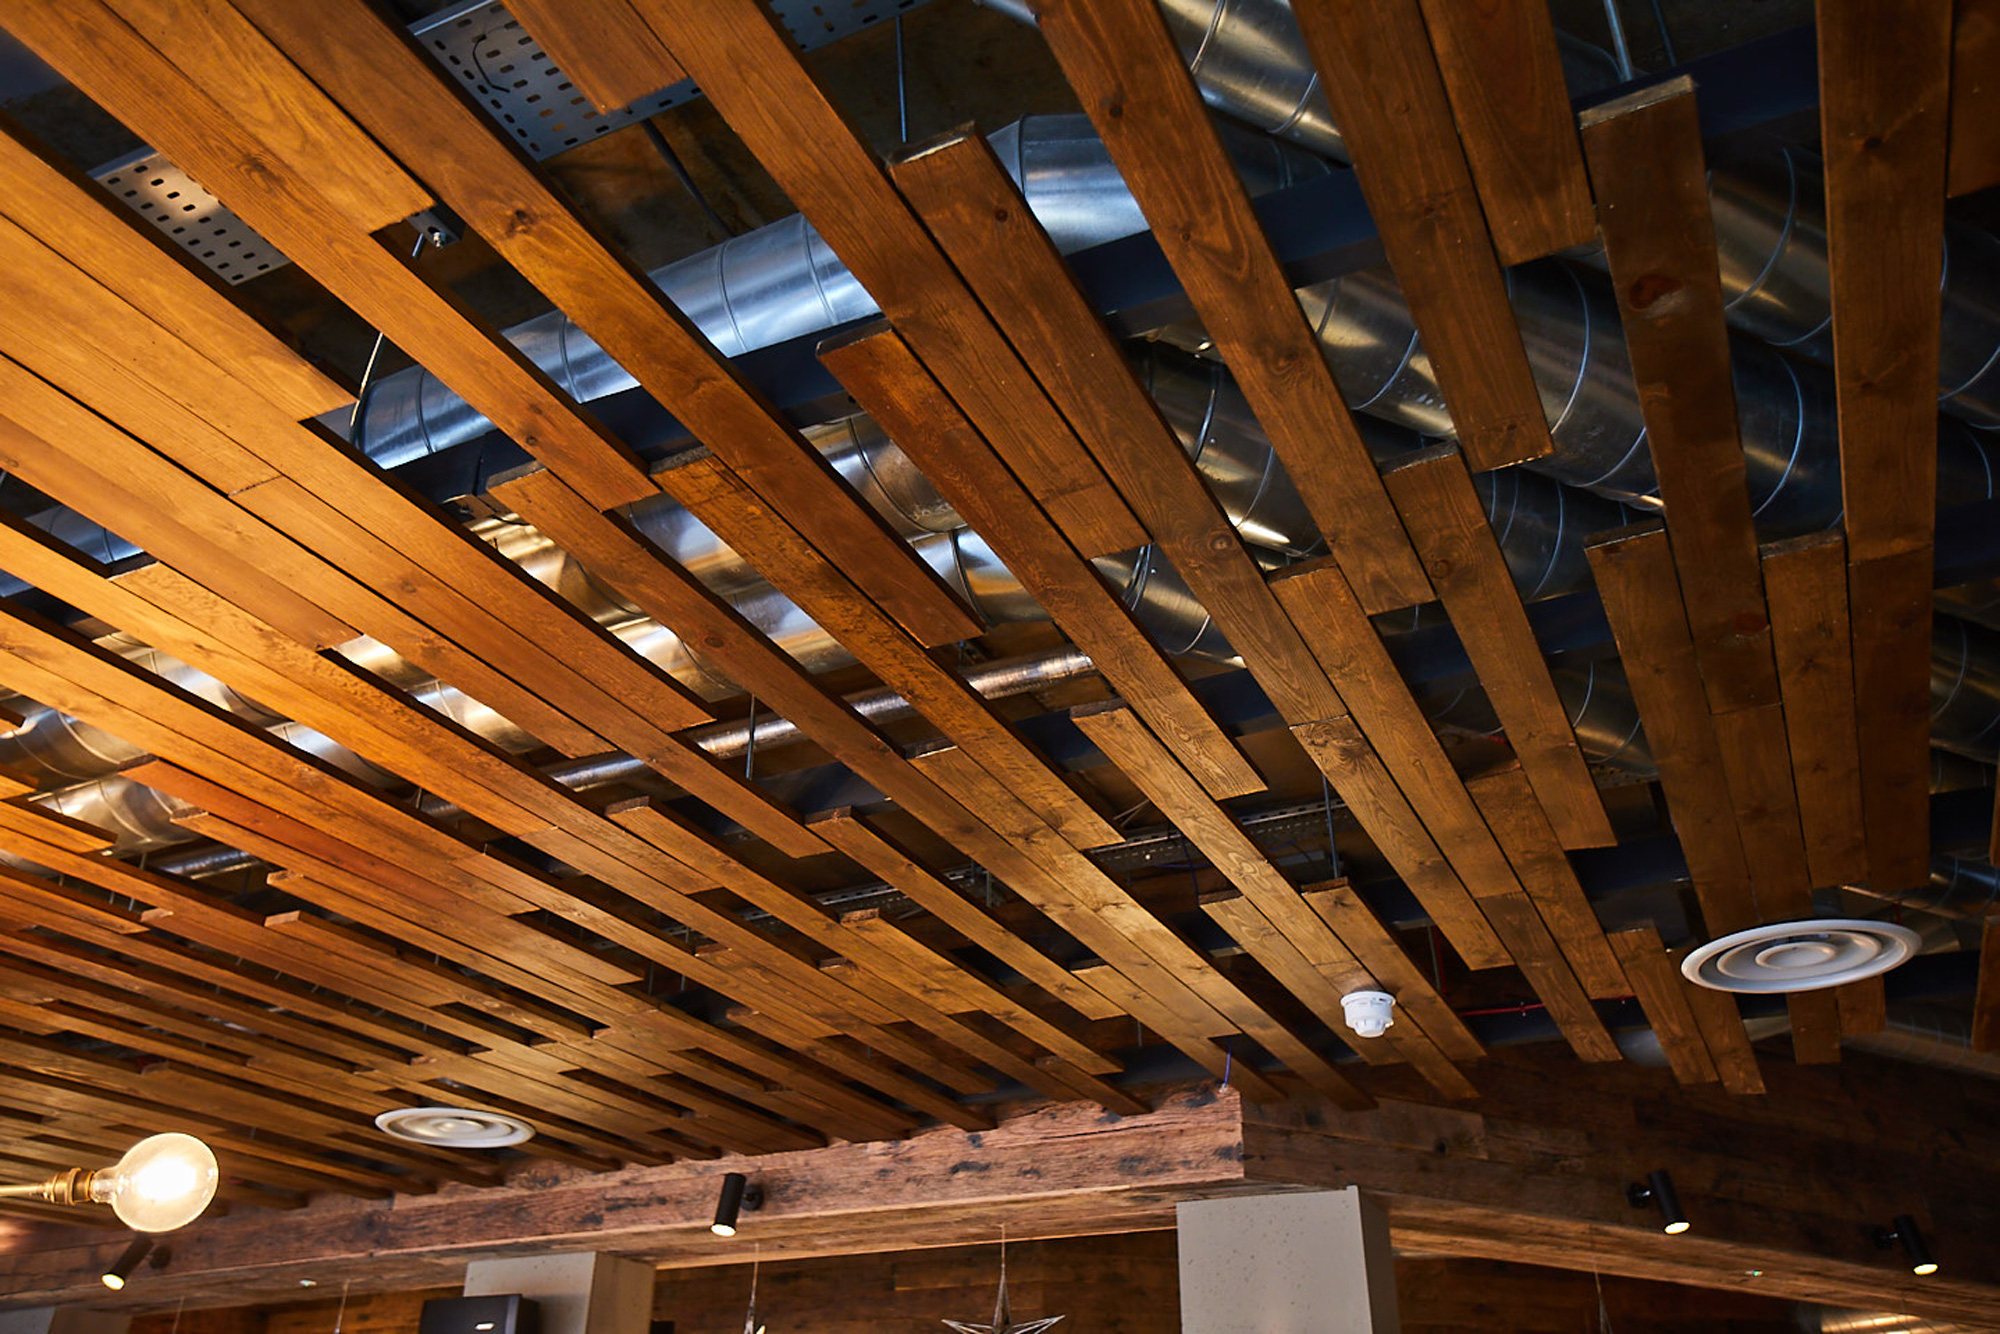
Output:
(737, 1195)
(1658, 1190)
(114, 1277)
(1904, 1228)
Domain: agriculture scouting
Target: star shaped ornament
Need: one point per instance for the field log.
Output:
(1003, 1316)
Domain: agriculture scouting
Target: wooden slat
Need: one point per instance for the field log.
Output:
(1317, 985)
(1728, 1042)
(1864, 1007)
(1518, 923)
(1129, 75)
(1521, 826)
(1816, 1026)
(1974, 161)
(1663, 996)
(372, 70)
(1503, 72)
(1386, 93)
(1448, 524)
(1378, 950)
(1212, 1057)
(1986, 1002)
(604, 48)
(887, 380)
(1885, 74)
(1337, 748)
(1642, 598)
(1322, 604)
(748, 67)
(1651, 180)
(1756, 764)
(993, 238)
(1806, 582)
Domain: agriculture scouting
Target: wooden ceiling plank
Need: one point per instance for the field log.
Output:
(870, 1071)
(1317, 984)
(749, 69)
(1986, 999)
(1974, 159)
(1757, 765)
(722, 501)
(280, 107)
(1657, 980)
(1502, 69)
(1387, 94)
(1448, 524)
(52, 199)
(1805, 579)
(896, 389)
(1815, 1017)
(1522, 827)
(1213, 1057)
(1728, 1042)
(873, 852)
(1864, 1007)
(605, 49)
(1885, 83)
(1320, 601)
(1642, 598)
(373, 70)
(1120, 58)
(122, 73)
(1342, 754)
(966, 198)
(1518, 923)
(52, 826)
(1651, 179)
(1378, 950)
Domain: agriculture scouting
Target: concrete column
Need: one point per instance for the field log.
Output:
(1316, 1262)
(579, 1293)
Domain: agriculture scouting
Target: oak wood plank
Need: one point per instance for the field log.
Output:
(1986, 1001)
(1387, 95)
(1316, 985)
(1339, 751)
(1651, 180)
(1503, 71)
(1756, 765)
(1661, 991)
(1815, 1026)
(1120, 58)
(1343, 910)
(1885, 82)
(885, 377)
(1518, 923)
(1448, 524)
(1215, 1058)
(376, 74)
(1642, 598)
(1519, 823)
(1974, 158)
(1863, 1007)
(1728, 1042)
(604, 48)
(1806, 582)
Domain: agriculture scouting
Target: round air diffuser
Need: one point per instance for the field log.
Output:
(1800, 956)
(454, 1127)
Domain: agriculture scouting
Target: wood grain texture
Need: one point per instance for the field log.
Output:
(1889, 606)
(1448, 524)
(1656, 979)
(1517, 922)
(1806, 582)
(1384, 87)
(1974, 159)
(605, 49)
(1651, 181)
(1986, 1002)
(1503, 72)
(1122, 61)
(1728, 1042)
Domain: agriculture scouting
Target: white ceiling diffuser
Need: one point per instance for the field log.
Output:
(1800, 956)
(454, 1127)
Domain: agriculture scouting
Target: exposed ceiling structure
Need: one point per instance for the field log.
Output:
(557, 565)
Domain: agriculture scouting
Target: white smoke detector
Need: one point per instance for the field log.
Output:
(454, 1127)
(1800, 956)
(1368, 1013)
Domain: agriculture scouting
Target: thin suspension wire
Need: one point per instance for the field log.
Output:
(424, 237)
(340, 1314)
(902, 88)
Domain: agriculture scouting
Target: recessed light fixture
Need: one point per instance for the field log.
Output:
(454, 1127)
(736, 1196)
(1903, 1228)
(308, 1282)
(1658, 1190)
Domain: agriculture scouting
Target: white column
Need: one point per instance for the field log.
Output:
(1317, 1262)
(579, 1293)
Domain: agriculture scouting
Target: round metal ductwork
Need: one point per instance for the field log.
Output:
(454, 1127)
(1800, 956)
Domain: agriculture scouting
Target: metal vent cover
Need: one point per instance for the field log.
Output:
(1800, 956)
(190, 216)
(485, 48)
(454, 1127)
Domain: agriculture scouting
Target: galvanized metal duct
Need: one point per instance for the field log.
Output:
(1816, 1319)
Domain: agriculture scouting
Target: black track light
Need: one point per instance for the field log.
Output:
(1658, 1189)
(737, 1195)
(114, 1277)
(1904, 1228)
